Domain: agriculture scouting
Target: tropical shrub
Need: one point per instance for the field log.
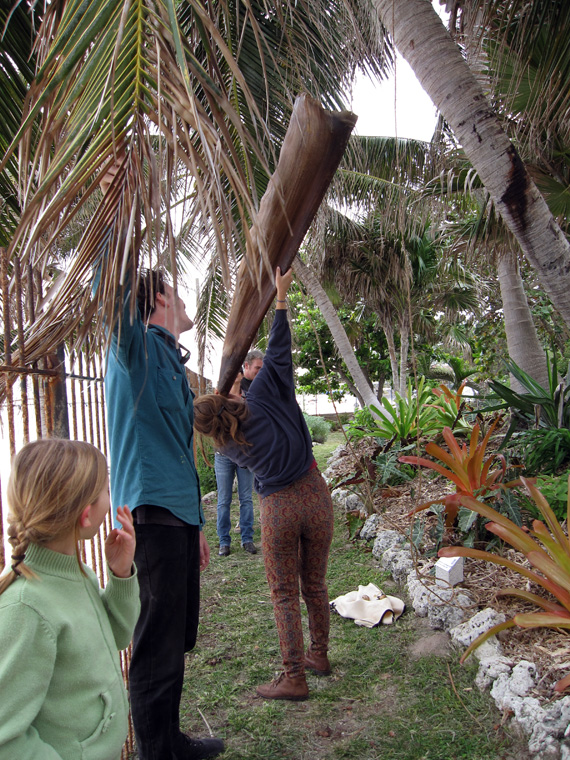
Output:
(543, 450)
(469, 529)
(339, 422)
(389, 471)
(460, 368)
(319, 428)
(466, 467)
(547, 549)
(205, 466)
(362, 425)
(554, 488)
(404, 419)
(549, 406)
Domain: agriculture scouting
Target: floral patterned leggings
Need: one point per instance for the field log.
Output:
(296, 534)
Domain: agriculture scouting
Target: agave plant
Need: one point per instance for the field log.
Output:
(466, 467)
(546, 547)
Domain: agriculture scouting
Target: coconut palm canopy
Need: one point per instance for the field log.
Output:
(192, 99)
(199, 95)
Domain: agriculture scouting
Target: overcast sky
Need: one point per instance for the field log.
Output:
(396, 106)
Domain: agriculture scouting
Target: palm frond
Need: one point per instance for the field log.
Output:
(183, 88)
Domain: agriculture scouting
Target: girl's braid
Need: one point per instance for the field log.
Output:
(19, 538)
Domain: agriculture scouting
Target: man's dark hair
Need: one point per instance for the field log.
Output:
(151, 282)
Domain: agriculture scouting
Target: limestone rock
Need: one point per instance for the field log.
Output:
(447, 608)
(354, 503)
(552, 730)
(347, 501)
(339, 496)
(490, 668)
(467, 632)
(398, 561)
(419, 593)
(371, 527)
(339, 452)
(386, 539)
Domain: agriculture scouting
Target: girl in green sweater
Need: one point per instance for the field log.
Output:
(63, 696)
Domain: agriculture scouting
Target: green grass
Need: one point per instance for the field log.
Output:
(322, 451)
(378, 704)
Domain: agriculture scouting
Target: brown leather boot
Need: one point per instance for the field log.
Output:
(317, 663)
(284, 687)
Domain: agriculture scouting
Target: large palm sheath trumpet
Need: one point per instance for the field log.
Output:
(311, 152)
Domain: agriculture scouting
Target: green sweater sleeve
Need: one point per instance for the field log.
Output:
(122, 602)
(26, 667)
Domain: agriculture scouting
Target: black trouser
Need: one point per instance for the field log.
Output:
(168, 566)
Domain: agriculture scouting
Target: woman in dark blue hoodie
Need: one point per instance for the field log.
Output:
(266, 433)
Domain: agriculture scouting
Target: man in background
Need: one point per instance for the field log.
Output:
(226, 471)
(251, 366)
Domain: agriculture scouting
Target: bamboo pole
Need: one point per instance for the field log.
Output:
(21, 350)
(35, 381)
(7, 317)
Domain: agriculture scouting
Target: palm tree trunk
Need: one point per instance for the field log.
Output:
(437, 62)
(389, 333)
(404, 350)
(351, 387)
(522, 340)
(338, 333)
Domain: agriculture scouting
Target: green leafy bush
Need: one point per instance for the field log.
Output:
(390, 471)
(342, 419)
(362, 424)
(319, 428)
(554, 488)
(546, 450)
(206, 471)
(551, 405)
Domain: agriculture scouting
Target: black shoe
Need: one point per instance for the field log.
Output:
(224, 551)
(198, 749)
(250, 547)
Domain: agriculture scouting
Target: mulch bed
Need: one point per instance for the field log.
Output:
(547, 648)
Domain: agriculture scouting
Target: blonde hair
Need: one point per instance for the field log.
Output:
(220, 419)
(51, 482)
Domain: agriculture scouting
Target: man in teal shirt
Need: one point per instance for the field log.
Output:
(150, 423)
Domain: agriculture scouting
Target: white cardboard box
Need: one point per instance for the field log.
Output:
(449, 571)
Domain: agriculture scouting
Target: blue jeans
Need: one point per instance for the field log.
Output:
(168, 568)
(225, 471)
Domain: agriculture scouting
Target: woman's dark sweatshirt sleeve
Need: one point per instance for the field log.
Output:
(275, 378)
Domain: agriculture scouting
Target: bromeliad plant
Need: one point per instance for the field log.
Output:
(546, 547)
(466, 467)
(450, 407)
(407, 417)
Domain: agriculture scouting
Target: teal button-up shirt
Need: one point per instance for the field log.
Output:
(150, 418)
